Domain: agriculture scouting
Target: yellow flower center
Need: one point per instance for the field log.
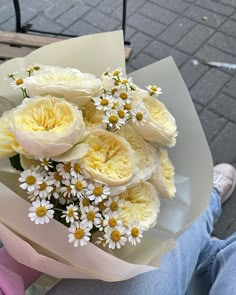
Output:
(77, 167)
(85, 202)
(19, 81)
(124, 95)
(121, 114)
(127, 106)
(30, 180)
(134, 232)
(97, 191)
(115, 104)
(115, 236)
(124, 81)
(70, 212)
(104, 102)
(116, 82)
(57, 176)
(154, 88)
(101, 206)
(67, 167)
(79, 234)
(116, 73)
(112, 222)
(43, 186)
(139, 116)
(36, 68)
(113, 91)
(41, 211)
(90, 215)
(114, 206)
(79, 185)
(113, 119)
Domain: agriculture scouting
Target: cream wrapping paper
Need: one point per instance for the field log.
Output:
(46, 247)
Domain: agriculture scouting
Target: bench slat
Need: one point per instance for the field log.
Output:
(7, 51)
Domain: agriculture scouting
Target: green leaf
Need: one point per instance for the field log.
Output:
(15, 162)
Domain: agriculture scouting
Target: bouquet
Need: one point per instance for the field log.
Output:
(90, 164)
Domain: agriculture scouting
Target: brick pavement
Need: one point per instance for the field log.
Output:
(185, 29)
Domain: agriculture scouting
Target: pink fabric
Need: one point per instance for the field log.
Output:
(14, 276)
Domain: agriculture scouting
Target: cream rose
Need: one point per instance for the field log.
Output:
(92, 116)
(142, 204)
(70, 84)
(110, 158)
(47, 126)
(160, 126)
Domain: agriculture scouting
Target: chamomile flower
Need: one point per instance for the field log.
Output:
(101, 241)
(71, 213)
(79, 233)
(153, 90)
(91, 214)
(17, 83)
(78, 184)
(135, 233)
(103, 102)
(76, 169)
(66, 192)
(46, 163)
(97, 192)
(55, 192)
(45, 188)
(122, 113)
(84, 203)
(111, 220)
(57, 178)
(117, 72)
(115, 237)
(113, 204)
(41, 212)
(123, 96)
(64, 170)
(139, 115)
(113, 120)
(30, 179)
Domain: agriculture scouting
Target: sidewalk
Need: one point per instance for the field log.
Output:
(203, 30)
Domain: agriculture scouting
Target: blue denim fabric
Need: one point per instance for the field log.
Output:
(195, 254)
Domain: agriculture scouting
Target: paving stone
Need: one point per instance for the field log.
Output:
(225, 106)
(224, 42)
(58, 8)
(197, 13)
(158, 13)
(215, 6)
(192, 73)
(129, 32)
(141, 60)
(102, 21)
(198, 107)
(160, 51)
(229, 27)
(195, 38)
(176, 30)
(177, 5)
(211, 123)
(139, 41)
(6, 12)
(230, 88)
(148, 26)
(8, 25)
(73, 14)
(27, 13)
(133, 6)
(130, 69)
(81, 28)
(108, 6)
(223, 146)
(231, 3)
(208, 86)
(40, 6)
(44, 24)
(93, 3)
(234, 16)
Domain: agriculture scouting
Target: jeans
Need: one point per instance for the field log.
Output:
(195, 254)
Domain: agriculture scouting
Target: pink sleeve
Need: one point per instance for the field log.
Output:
(14, 275)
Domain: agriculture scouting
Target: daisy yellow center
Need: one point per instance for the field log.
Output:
(139, 116)
(115, 236)
(101, 206)
(97, 191)
(116, 82)
(127, 107)
(30, 180)
(113, 119)
(57, 176)
(85, 202)
(124, 81)
(45, 162)
(70, 212)
(112, 222)
(19, 81)
(114, 206)
(36, 68)
(134, 232)
(104, 102)
(113, 91)
(121, 114)
(90, 215)
(115, 104)
(124, 95)
(77, 167)
(79, 185)
(79, 234)
(43, 186)
(116, 73)
(153, 88)
(67, 167)
(41, 211)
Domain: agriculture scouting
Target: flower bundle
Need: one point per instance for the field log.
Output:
(91, 152)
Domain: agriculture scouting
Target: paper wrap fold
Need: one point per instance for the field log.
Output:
(46, 247)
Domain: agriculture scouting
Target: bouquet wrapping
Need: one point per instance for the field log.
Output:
(45, 247)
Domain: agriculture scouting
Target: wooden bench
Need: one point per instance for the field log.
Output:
(17, 44)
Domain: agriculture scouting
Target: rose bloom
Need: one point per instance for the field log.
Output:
(8, 145)
(68, 83)
(47, 126)
(160, 126)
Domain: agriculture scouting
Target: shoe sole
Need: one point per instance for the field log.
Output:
(231, 190)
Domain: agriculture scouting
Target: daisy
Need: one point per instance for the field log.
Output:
(17, 83)
(113, 204)
(113, 120)
(103, 102)
(97, 192)
(123, 96)
(76, 169)
(122, 113)
(117, 72)
(54, 192)
(71, 213)
(135, 233)
(31, 179)
(64, 170)
(115, 237)
(153, 90)
(45, 188)
(78, 184)
(41, 211)
(79, 233)
(139, 115)
(84, 203)
(46, 163)
(56, 177)
(90, 214)
(111, 220)
(66, 192)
